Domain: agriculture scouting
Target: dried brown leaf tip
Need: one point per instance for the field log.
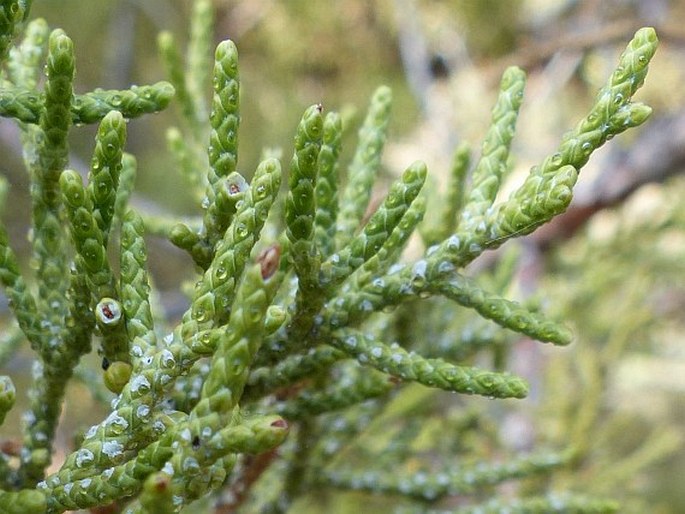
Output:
(269, 259)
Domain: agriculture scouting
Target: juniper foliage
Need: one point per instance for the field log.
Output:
(295, 324)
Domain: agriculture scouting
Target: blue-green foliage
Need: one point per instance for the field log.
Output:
(305, 317)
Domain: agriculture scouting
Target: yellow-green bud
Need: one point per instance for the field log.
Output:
(117, 376)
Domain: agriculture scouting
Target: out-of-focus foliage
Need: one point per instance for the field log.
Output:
(618, 393)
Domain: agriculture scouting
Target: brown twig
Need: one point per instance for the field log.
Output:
(534, 53)
(236, 494)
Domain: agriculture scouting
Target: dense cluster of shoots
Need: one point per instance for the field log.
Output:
(298, 321)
